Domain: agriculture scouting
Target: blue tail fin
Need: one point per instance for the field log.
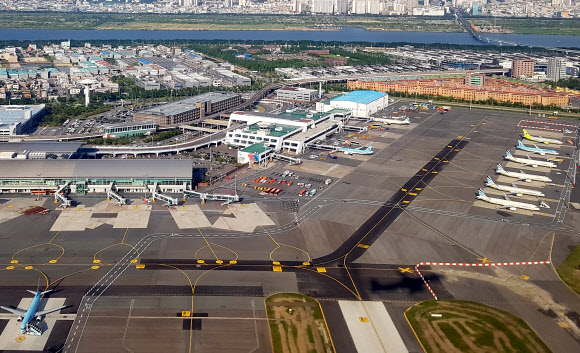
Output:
(481, 193)
(489, 180)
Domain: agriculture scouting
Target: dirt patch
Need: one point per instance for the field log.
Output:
(297, 324)
(459, 326)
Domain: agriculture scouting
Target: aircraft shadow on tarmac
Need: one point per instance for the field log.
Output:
(411, 285)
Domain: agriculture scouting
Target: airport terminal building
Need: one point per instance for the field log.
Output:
(291, 131)
(84, 176)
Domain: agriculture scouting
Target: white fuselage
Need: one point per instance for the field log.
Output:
(531, 162)
(538, 150)
(510, 204)
(543, 140)
(525, 176)
(392, 121)
(515, 190)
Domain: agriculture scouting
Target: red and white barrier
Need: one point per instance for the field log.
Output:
(491, 264)
(545, 123)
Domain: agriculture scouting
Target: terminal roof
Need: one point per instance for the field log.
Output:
(40, 146)
(109, 169)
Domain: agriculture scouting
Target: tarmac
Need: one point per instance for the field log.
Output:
(131, 273)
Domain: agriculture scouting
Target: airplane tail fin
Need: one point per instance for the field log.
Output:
(370, 148)
(482, 195)
(407, 121)
(508, 154)
(520, 143)
(490, 181)
(526, 135)
(499, 168)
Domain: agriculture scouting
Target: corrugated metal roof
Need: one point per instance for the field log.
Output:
(98, 168)
(36, 146)
(363, 97)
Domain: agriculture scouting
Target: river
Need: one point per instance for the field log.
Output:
(347, 34)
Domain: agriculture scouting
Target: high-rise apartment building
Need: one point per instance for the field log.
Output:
(362, 7)
(522, 67)
(556, 69)
(330, 6)
(188, 3)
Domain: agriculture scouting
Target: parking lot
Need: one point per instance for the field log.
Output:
(91, 125)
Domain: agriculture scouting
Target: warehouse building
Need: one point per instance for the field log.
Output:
(17, 119)
(362, 104)
(86, 176)
(189, 109)
(297, 94)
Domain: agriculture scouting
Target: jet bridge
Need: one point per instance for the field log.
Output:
(355, 128)
(212, 197)
(170, 201)
(59, 196)
(112, 194)
(292, 160)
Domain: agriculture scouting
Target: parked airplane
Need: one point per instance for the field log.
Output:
(535, 149)
(369, 150)
(513, 189)
(26, 316)
(393, 121)
(541, 139)
(528, 161)
(506, 203)
(522, 176)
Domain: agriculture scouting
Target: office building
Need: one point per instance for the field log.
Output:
(556, 69)
(296, 94)
(522, 67)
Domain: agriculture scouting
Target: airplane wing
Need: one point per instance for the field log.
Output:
(504, 207)
(506, 197)
(523, 179)
(16, 311)
(44, 312)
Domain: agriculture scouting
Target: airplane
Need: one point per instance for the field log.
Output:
(541, 139)
(506, 203)
(536, 149)
(513, 190)
(522, 176)
(369, 150)
(528, 161)
(391, 121)
(26, 316)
